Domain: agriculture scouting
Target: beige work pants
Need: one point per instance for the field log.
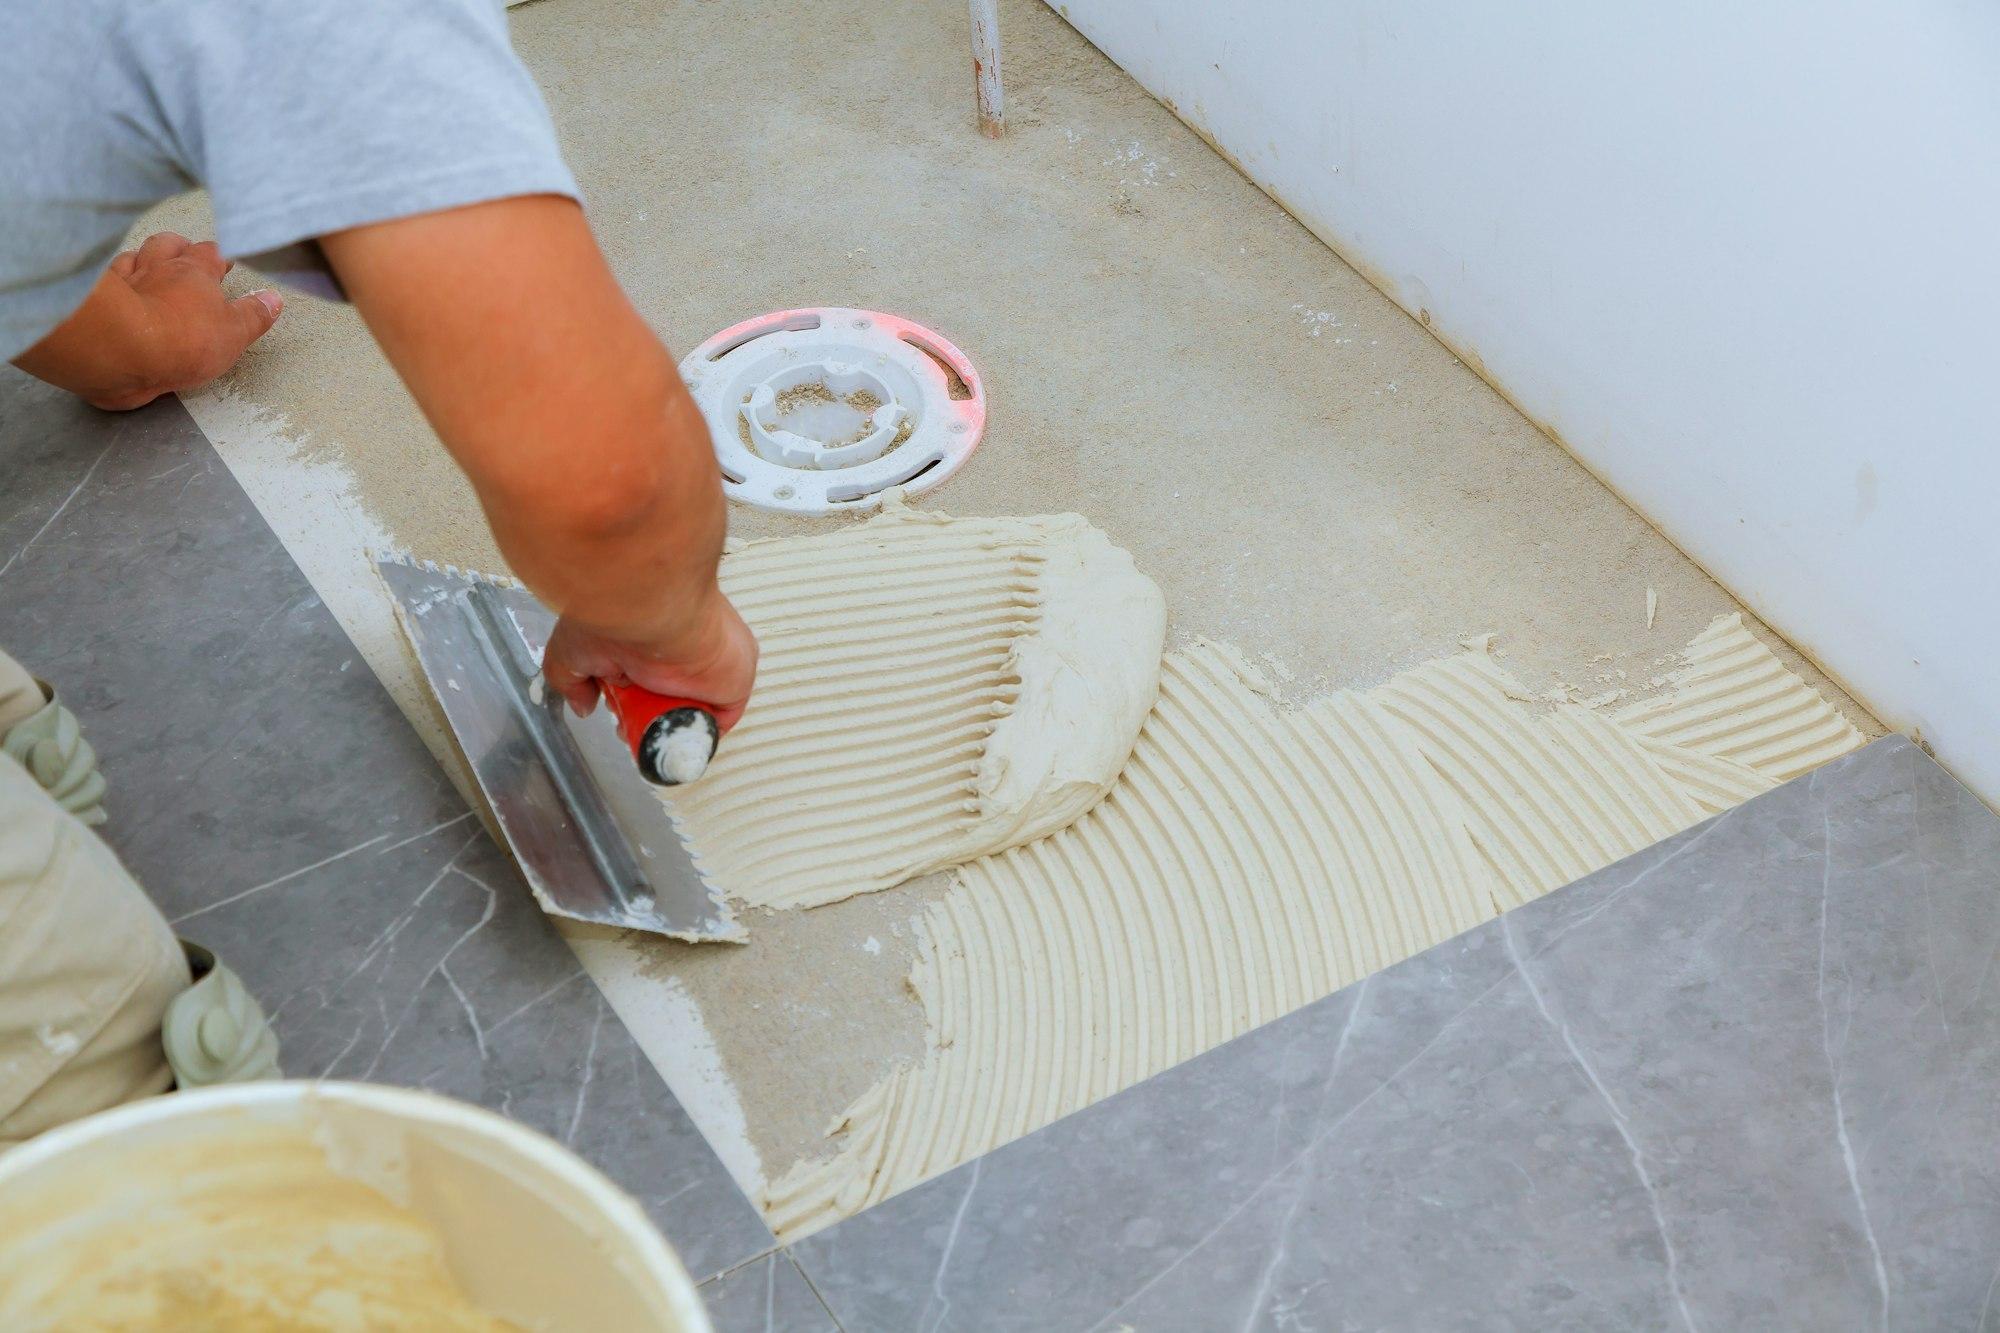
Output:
(87, 964)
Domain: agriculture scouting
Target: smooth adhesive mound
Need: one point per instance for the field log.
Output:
(1253, 858)
(932, 689)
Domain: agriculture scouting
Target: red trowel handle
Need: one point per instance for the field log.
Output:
(671, 739)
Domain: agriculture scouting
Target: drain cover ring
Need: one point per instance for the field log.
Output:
(819, 411)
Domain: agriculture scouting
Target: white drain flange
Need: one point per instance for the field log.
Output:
(819, 411)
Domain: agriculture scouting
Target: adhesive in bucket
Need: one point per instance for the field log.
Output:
(328, 1207)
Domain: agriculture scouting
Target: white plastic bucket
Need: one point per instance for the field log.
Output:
(243, 1202)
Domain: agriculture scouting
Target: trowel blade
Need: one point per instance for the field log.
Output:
(592, 839)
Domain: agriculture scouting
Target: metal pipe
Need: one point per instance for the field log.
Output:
(986, 65)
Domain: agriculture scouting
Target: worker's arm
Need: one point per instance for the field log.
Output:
(155, 323)
(593, 464)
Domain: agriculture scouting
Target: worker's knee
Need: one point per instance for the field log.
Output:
(87, 969)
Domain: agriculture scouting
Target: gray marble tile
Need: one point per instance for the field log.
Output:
(767, 1295)
(280, 810)
(174, 622)
(1746, 1079)
(54, 443)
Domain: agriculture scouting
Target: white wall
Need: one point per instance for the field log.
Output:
(1741, 259)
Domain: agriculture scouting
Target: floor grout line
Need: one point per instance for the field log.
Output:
(741, 1264)
(813, 1287)
(779, 1253)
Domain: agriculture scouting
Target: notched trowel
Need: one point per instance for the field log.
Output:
(574, 797)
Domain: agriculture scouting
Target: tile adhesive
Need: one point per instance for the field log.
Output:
(967, 692)
(931, 690)
(961, 694)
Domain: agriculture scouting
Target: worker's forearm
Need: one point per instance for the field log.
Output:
(594, 466)
(630, 549)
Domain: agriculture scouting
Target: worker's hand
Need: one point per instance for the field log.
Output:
(713, 662)
(191, 330)
(157, 322)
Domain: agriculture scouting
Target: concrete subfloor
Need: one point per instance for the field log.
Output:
(1304, 470)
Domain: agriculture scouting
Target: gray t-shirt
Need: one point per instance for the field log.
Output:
(301, 117)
